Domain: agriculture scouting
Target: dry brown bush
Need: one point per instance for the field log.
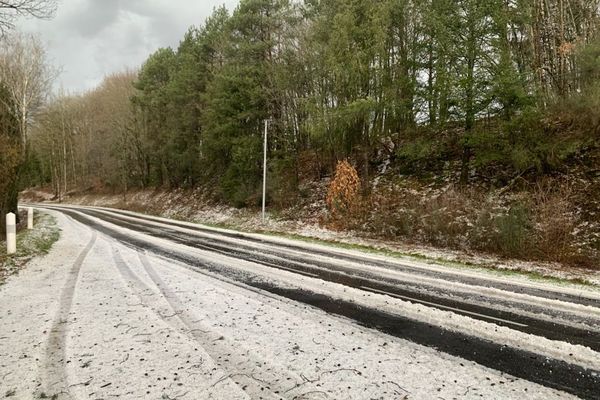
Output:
(311, 166)
(444, 218)
(389, 213)
(438, 217)
(555, 219)
(343, 195)
(534, 224)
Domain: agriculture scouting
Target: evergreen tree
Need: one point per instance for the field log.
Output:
(241, 97)
(155, 105)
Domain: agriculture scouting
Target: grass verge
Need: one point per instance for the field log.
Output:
(30, 244)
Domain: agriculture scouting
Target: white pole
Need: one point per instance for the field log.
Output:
(30, 218)
(264, 196)
(11, 233)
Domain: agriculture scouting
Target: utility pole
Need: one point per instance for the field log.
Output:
(264, 195)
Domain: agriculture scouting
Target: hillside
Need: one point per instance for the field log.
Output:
(466, 125)
(549, 226)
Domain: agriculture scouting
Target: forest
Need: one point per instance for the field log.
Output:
(25, 82)
(471, 96)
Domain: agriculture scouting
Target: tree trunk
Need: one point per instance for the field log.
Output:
(464, 167)
(9, 203)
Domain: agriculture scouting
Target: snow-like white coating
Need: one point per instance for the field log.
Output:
(389, 273)
(578, 290)
(446, 319)
(138, 326)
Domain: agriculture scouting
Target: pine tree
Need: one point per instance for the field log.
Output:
(241, 96)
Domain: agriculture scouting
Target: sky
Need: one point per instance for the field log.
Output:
(89, 39)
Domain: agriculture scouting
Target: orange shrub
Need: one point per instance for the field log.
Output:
(343, 196)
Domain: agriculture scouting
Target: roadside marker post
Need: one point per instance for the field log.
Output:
(30, 218)
(11, 233)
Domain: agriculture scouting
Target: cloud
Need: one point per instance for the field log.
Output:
(92, 17)
(90, 39)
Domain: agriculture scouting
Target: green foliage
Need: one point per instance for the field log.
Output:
(153, 101)
(32, 172)
(172, 88)
(240, 97)
(282, 189)
(589, 64)
(241, 182)
(353, 74)
(420, 149)
(582, 108)
(524, 145)
(442, 86)
(422, 154)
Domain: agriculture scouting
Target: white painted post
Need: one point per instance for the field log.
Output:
(264, 194)
(11, 233)
(30, 218)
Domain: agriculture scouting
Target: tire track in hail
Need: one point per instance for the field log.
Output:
(55, 377)
(551, 372)
(525, 318)
(257, 382)
(511, 287)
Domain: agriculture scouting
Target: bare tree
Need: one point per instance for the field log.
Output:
(25, 80)
(26, 75)
(10, 10)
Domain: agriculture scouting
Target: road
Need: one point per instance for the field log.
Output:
(275, 318)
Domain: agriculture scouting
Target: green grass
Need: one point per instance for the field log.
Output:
(30, 244)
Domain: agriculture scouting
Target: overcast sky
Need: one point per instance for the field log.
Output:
(89, 39)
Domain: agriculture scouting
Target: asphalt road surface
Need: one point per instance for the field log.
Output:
(144, 307)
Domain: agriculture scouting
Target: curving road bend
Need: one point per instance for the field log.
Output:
(144, 307)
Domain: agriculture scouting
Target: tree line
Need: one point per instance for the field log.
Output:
(25, 82)
(481, 83)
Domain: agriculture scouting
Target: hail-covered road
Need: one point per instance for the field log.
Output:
(132, 306)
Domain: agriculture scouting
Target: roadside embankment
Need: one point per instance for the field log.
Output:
(306, 222)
